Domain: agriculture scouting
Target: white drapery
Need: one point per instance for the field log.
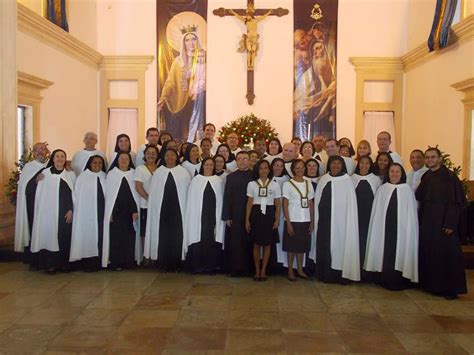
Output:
(375, 122)
(121, 120)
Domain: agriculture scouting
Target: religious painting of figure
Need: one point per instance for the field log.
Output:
(314, 99)
(181, 105)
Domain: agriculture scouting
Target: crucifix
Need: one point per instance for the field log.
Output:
(249, 41)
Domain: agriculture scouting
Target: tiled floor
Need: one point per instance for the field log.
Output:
(143, 311)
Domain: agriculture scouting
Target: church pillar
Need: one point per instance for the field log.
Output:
(8, 104)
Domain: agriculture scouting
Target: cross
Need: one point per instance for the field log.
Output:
(249, 41)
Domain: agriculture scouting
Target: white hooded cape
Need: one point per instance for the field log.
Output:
(80, 159)
(112, 187)
(45, 224)
(22, 229)
(193, 169)
(192, 228)
(85, 231)
(372, 179)
(344, 225)
(406, 257)
(155, 198)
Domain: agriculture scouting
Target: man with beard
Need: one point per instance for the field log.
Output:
(314, 98)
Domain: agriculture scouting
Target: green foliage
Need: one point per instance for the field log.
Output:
(11, 186)
(248, 128)
(447, 162)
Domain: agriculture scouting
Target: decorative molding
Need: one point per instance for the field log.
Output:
(126, 62)
(371, 64)
(29, 93)
(379, 69)
(33, 81)
(464, 85)
(43, 30)
(467, 87)
(462, 32)
(125, 67)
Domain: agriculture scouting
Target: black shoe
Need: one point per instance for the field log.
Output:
(292, 279)
(451, 297)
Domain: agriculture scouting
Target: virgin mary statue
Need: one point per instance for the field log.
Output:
(183, 93)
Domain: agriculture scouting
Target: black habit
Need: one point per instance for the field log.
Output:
(206, 255)
(122, 233)
(237, 242)
(171, 228)
(442, 198)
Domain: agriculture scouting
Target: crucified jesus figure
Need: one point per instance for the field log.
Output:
(249, 41)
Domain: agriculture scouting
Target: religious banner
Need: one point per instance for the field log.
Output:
(315, 39)
(182, 36)
(443, 19)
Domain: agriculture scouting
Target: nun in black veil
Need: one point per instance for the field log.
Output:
(51, 235)
(336, 226)
(122, 145)
(121, 243)
(167, 204)
(366, 184)
(88, 222)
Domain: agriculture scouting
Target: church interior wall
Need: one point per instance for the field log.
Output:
(366, 28)
(70, 106)
(128, 27)
(434, 113)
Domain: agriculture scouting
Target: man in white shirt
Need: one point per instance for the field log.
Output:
(332, 148)
(417, 162)
(80, 159)
(233, 143)
(288, 155)
(384, 139)
(319, 152)
(152, 137)
(209, 132)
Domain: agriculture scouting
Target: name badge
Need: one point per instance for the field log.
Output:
(304, 202)
(262, 192)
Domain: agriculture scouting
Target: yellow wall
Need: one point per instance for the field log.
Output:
(70, 106)
(434, 113)
(366, 27)
(81, 16)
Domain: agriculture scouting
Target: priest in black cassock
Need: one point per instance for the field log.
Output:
(441, 198)
(25, 201)
(237, 242)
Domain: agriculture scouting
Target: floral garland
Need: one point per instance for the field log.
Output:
(11, 187)
(248, 128)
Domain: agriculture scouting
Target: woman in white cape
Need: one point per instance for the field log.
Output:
(121, 244)
(167, 204)
(204, 229)
(366, 184)
(392, 245)
(336, 252)
(88, 222)
(51, 235)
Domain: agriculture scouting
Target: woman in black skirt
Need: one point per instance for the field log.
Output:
(262, 215)
(298, 194)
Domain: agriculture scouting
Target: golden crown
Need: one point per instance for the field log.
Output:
(188, 29)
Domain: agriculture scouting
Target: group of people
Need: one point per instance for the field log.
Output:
(317, 208)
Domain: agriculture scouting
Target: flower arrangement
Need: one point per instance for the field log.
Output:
(248, 128)
(11, 186)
